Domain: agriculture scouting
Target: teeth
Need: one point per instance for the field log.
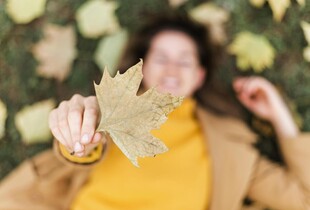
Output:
(171, 82)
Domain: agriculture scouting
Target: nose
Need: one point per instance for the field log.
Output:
(172, 69)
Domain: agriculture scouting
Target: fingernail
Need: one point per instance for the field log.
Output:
(78, 147)
(85, 139)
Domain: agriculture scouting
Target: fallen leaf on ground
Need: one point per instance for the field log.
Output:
(213, 16)
(306, 29)
(55, 52)
(32, 122)
(128, 118)
(257, 3)
(97, 17)
(279, 8)
(252, 51)
(302, 3)
(176, 3)
(25, 11)
(109, 51)
(3, 116)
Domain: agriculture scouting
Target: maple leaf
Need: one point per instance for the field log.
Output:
(302, 3)
(97, 17)
(32, 122)
(25, 11)
(55, 52)
(306, 29)
(252, 51)
(257, 3)
(128, 118)
(213, 16)
(176, 3)
(109, 50)
(3, 116)
(279, 8)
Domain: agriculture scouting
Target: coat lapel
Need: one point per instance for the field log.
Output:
(230, 145)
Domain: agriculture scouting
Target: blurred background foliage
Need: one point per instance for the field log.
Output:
(20, 85)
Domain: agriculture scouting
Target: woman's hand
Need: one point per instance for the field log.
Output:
(73, 124)
(261, 97)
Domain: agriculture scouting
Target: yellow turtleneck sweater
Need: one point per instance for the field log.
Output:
(178, 179)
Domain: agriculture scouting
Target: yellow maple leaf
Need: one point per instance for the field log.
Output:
(306, 29)
(55, 52)
(213, 16)
(306, 53)
(109, 50)
(25, 11)
(32, 122)
(97, 17)
(279, 8)
(3, 116)
(176, 3)
(128, 118)
(257, 3)
(252, 51)
(302, 3)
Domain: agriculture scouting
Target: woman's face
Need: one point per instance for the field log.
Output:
(172, 65)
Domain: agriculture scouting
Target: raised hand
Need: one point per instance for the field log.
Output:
(261, 97)
(73, 124)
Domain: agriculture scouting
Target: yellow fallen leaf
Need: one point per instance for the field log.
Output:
(128, 118)
(3, 116)
(302, 3)
(257, 3)
(176, 3)
(25, 11)
(32, 122)
(97, 17)
(55, 52)
(306, 29)
(252, 51)
(279, 8)
(109, 50)
(213, 16)
(306, 53)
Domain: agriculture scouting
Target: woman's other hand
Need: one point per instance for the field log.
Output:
(73, 124)
(261, 97)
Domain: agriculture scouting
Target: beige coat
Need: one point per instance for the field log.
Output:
(46, 183)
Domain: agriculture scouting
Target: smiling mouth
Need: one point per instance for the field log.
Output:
(169, 84)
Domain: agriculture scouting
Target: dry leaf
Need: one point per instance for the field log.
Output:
(302, 3)
(213, 16)
(3, 116)
(109, 51)
(26, 10)
(55, 52)
(97, 17)
(176, 3)
(306, 29)
(306, 54)
(32, 122)
(257, 3)
(252, 51)
(128, 118)
(279, 8)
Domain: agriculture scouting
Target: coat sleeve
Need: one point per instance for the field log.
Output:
(285, 187)
(93, 157)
